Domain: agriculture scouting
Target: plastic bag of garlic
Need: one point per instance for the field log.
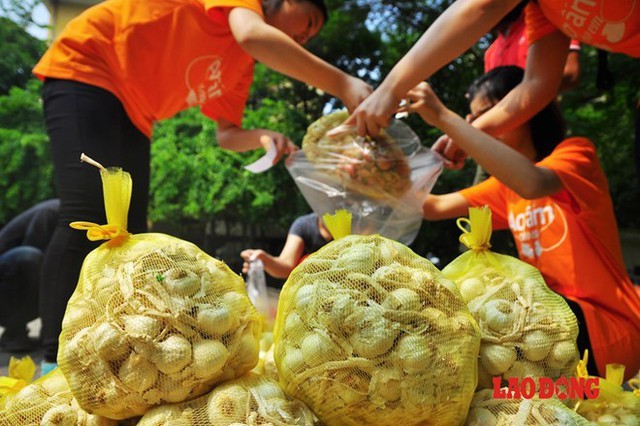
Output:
(368, 332)
(381, 181)
(153, 319)
(249, 400)
(527, 329)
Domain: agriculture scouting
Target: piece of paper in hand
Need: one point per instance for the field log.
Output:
(265, 162)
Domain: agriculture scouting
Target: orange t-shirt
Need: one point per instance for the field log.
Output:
(572, 238)
(609, 25)
(158, 57)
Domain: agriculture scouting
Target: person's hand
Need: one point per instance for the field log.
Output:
(250, 255)
(454, 157)
(373, 113)
(355, 92)
(423, 100)
(283, 144)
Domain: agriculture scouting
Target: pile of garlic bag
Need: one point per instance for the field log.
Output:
(47, 401)
(527, 329)
(614, 405)
(368, 332)
(249, 400)
(153, 318)
(488, 411)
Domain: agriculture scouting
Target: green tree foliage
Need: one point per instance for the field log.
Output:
(25, 164)
(20, 11)
(19, 51)
(26, 176)
(194, 179)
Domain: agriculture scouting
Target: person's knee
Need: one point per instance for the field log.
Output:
(24, 256)
(21, 265)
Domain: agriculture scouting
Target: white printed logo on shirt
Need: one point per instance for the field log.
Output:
(204, 80)
(529, 226)
(586, 19)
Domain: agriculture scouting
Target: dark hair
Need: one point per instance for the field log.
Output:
(548, 127)
(271, 6)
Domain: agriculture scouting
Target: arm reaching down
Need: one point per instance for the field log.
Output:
(456, 30)
(545, 64)
(280, 52)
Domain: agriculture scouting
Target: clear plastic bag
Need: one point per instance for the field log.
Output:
(257, 290)
(382, 182)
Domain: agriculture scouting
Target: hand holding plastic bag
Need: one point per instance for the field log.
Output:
(381, 181)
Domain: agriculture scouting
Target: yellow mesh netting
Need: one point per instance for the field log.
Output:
(374, 167)
(20, 374)
(368, 332)
(266, 365)
(153, 319)
(487, 411)
(527, 329)
(47, 401)
(250, 400)
(614, 405)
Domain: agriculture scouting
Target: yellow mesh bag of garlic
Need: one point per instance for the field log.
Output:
(613, 405)
(153, 319)
(47, 401)
(488, 411)
(368, 332)
(527, 329)
(249, 400)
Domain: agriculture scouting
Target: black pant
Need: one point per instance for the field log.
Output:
(583, 337)
(636, 147)
(19, 276)
(85, 119)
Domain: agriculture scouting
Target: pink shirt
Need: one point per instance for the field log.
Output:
(511, 49)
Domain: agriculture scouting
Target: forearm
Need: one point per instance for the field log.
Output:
(571, 73)
(276, 267)
(455, 31)
(447, 206)
(278, 51)
(240, 140)
(545, 63)
(501, 161)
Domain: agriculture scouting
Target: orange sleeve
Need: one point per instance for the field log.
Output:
(231, 105)
(573, 162)
(537, 24)
(489, 193)
(217, 9)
